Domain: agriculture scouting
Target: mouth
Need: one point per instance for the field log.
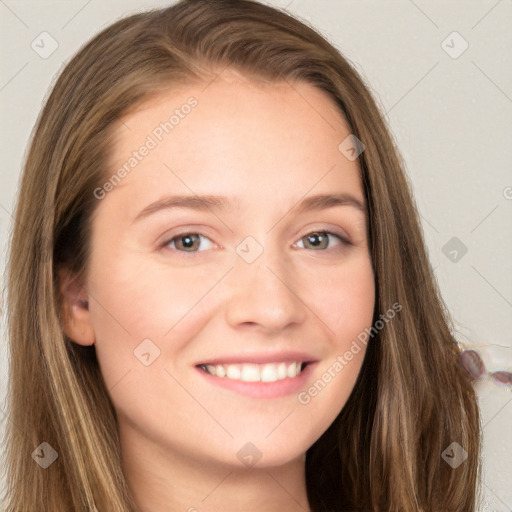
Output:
(261, 381)
(263, 375)
(251, 372)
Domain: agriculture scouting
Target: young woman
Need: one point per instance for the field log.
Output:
(219, 293)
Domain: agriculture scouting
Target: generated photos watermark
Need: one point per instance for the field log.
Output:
(152, 140)
(342, 360)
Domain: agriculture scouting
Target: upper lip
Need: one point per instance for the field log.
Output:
(288, 356)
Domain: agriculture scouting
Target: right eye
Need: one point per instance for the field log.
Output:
(186, 241)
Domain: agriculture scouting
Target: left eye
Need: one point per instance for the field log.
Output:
(319, 239)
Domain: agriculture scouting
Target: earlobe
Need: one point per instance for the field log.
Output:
(77, 322)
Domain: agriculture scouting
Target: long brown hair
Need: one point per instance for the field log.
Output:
(411, 400)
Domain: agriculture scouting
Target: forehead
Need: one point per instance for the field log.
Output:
(233, 136)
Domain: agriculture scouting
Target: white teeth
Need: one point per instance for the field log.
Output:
(269, 372)
(250, 373)
(281, 371)
(233, 372)
(292, 370)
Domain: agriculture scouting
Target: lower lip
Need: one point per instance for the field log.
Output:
(260, 389)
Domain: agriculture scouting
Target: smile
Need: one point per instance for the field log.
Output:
(249, 372)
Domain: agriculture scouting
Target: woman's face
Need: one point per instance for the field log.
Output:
(246, 282)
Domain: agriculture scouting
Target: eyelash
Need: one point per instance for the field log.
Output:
(344, 241)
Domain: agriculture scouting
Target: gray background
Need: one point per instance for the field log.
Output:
(450, 111)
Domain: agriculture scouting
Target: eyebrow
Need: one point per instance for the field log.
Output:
(222, 203)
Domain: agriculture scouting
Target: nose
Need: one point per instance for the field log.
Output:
(265, 293)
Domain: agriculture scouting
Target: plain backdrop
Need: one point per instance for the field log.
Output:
(441, 72)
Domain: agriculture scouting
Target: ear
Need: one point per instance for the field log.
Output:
(75, 309)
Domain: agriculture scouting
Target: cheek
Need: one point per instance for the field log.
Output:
(346, 307)
(133, 301)
(344, 299)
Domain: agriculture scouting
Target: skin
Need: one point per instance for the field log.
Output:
(268, 146)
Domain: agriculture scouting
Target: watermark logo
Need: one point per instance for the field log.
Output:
(44, 455)
(454, 45)
(249, 249)
(249, 454)
(44, 45)
(146, 352)
(454, 249)
(351, 147)
(454, 455)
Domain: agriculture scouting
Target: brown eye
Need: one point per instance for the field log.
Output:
(186, 242)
